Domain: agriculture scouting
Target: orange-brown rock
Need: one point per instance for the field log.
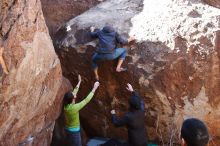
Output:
(57, 12)
(32, 92)
(214, 3)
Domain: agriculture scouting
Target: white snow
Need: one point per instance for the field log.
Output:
(164, 20)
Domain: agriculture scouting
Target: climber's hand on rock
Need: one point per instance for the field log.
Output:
(96, 85)
(130, 39)
(68, 28)
(92, 28)
(129, 87)
(112, 112)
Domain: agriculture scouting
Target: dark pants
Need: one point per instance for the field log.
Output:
(73, 138)
(118, 53)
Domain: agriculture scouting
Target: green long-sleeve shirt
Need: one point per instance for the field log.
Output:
(71, 111)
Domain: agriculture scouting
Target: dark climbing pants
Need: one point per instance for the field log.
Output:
(73, 138)
(118, 53)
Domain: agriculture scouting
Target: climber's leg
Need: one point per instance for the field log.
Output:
(118, 53)
(95, 58)
(73, 138)
(2, 62)
(121, 54)
(96, 73)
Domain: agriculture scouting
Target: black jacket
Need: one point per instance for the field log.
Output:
(108, 39)
(134, 121)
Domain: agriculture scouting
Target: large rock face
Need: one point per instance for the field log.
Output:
(57, 12)
(31, 94)
(174, 64)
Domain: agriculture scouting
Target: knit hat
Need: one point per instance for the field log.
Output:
(108, 29)
(68, 95)
(134, 102)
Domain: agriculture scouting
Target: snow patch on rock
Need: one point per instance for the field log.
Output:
(164, 20)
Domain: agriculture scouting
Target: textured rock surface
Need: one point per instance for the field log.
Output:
(174, 64)
(214, 3)
(57, 12)
(31, 94)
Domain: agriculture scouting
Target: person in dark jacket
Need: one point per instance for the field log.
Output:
(133, 120)
(194, 133)
(107, 48)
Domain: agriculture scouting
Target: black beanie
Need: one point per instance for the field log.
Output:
(108, 29)
(135, 102)
(68, 97)
(194, 132)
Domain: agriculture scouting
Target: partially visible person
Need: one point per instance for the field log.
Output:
(107, 48)
(194, 133)
(2, 61)
(71, 112)
(133, 120)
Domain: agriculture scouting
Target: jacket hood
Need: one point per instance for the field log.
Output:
(108, 29)
(134, 102)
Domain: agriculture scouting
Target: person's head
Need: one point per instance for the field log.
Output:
(134, 103)
(108, 29)
(194, 133)
(69, 98)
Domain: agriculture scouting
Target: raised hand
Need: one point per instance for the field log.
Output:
(130, 39)
(79, 78)
(92, 28)
(129, 87)
(68, 28)
(96, 85)
(113, 112)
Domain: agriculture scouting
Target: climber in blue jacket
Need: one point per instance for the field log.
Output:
(107, 48)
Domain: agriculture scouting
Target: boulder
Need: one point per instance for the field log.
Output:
(174, 64)
(31, 94)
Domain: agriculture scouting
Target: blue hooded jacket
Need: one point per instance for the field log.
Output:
(108, 39)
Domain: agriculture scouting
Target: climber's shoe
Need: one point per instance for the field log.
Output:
(121, 69)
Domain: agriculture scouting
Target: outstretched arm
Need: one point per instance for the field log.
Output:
(130, 39)
(80, 105)
(117, 121)
(120, 39)
(76, 89)
(123, 41)
(93, 33)
(2, 62)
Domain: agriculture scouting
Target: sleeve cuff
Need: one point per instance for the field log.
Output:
(91, 93)
(75, 90)
(133, 92)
